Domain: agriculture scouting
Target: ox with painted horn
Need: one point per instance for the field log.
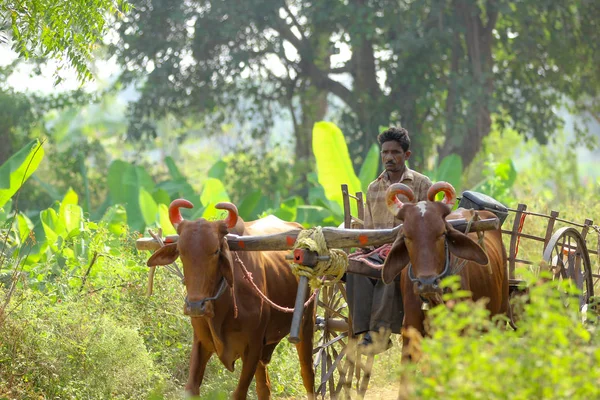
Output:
(228, 316)
(429, 249)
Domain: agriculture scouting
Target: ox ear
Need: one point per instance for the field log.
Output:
(464, 247)
(164, 256)
(396, 260)
(226, 263)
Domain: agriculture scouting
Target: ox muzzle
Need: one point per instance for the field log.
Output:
(203, 307)
(429, 285)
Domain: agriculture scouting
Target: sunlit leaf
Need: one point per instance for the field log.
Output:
(334, 166)
(71, 217)
(148, 207)
(213, 192)
(115, 218)
(24, 225)
(18, 168)
(164, 221)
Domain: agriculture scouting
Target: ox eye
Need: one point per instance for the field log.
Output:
(217, 252)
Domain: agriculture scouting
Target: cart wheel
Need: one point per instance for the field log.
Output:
(568, 258)
(341, 373)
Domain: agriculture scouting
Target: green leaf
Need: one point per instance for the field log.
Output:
(334, 166)
(148, 207)
(288, 210)
(69, 213)
(161, 196)
(248, 208)
(4, 211)
(24, 225)
(18, 168)
(173, 170)
(125, 182)
(51, 224)
(213, 192)
(71, 216)
(450, 170)
(218, 170)
(115, 218)
(507, 172)
(370, 168)
(164, 221)
(310, 215)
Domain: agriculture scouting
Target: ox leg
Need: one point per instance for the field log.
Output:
(305, 350)
(250, 362)
(263, 383)
(198, 360)
(413, 325)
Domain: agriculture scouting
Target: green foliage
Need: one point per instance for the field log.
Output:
(63, 31)
(450, 169)
(256, 178)
(213, 192)
(18, 168)
(499, 178)
(370, 168)
(63, 350)
(334, 166)
(470, 356)
(449, 70)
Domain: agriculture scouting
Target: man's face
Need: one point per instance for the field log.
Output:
(393, 156)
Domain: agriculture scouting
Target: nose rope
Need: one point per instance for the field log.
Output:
(201, 303)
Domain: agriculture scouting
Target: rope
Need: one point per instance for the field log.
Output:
(248, 277)
(382, 252)
(336, 265)
(521, 223)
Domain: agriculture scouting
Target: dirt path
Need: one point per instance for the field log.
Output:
(385, 393)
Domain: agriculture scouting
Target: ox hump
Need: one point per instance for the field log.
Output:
(270, 224)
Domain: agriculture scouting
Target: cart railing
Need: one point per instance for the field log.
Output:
(516, 233)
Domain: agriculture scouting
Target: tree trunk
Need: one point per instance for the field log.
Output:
(478, 40)
(313, 107)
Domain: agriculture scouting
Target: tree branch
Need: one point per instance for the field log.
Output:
(340, 70)
(492, 12)
(286, 33)
(94, 258)
(294, 20)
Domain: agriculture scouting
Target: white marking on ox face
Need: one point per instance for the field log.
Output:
(422, 206)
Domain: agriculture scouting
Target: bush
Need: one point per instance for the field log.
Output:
(468, 356)
(69, 350)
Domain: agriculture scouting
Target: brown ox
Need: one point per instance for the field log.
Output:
(434, 250)
(210, 280)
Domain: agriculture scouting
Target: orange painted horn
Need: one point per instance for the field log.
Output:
(175, 214)
(391, 197)
(232, 218)
(448, 189)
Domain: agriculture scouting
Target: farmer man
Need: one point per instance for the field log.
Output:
(376, 308)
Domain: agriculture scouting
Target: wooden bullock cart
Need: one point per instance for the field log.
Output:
(340, 369)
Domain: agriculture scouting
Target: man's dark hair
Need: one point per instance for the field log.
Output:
(400, 135)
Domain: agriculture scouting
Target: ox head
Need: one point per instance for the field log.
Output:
(203, 249)
(426, 239)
